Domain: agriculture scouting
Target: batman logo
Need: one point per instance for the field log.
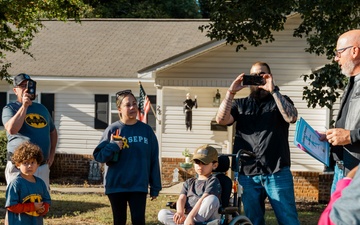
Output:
(35, 120)
(32, 198)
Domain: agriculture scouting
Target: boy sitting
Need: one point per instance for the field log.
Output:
(199, 198)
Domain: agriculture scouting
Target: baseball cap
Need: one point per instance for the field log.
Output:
(20, 78)
(206, 154)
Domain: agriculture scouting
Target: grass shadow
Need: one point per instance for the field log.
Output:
(61, 208)
(69, 205)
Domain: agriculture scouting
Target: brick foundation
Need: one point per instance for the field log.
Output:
(308, 186)
(71, 165)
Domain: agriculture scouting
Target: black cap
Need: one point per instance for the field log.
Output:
(20, 78)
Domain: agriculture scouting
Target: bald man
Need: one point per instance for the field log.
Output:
(345, 137)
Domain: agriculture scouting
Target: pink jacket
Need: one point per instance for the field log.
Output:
(325, 216)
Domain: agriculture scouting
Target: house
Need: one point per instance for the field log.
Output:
(80, 67)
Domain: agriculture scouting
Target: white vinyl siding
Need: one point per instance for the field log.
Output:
(75, 112)
(219, 67)
(175, 137)
(75, 119)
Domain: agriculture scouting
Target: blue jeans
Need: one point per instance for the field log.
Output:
(279, 188)
(338, 175)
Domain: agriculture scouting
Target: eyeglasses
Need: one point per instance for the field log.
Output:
(123, 92)
(338, 52)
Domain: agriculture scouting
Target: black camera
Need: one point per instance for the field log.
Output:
(31, 89)
(253, 80)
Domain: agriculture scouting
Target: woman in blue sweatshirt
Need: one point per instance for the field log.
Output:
(130, 150)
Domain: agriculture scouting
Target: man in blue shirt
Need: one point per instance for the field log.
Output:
(25, 120)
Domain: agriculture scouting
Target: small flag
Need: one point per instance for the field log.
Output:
(144, 105)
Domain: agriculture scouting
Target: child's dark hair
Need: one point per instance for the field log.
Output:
(27, 151)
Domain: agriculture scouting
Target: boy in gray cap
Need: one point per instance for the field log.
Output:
(199, 198)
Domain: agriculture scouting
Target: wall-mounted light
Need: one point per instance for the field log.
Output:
(216, 98)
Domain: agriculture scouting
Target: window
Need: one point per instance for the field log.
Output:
(101, 111)
(48, 100)
(114, 116)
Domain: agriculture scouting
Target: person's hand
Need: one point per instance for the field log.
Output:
(119, 142)
(153, 198)
(39, 207)
(179, 218)
(338, 136)
(269, 83)
(322, 136)
(26, 101)
(237, 83)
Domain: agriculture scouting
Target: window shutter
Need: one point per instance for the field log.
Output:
(101, 111)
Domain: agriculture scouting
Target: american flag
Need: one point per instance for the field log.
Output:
(144, 105)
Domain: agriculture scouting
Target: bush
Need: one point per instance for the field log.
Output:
(3, 142)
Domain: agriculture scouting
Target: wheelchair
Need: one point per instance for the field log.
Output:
(230, 211)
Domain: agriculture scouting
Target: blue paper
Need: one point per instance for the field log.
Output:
(307, 139)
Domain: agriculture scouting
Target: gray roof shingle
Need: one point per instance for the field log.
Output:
(106, 48)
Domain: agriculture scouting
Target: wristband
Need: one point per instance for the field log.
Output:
(232, 92)
(276, 89)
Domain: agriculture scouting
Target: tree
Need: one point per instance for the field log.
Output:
(146, 9)
(21, 20)
(254, 21)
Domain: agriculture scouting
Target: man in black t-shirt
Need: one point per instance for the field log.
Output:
(262, 126)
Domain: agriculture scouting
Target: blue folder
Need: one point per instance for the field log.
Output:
(307, 139)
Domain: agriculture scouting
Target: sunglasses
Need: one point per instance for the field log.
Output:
(123, 92)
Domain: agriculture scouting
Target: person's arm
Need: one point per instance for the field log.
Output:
(223, 116)
(287, 109)
(13, 125)
(53, 143)
(155, 174)
(22, 207)
(179, 216)
(284, 104)
(343, 206)
(190, 217)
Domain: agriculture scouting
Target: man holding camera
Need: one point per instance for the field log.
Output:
(262, 126)
(25, 120)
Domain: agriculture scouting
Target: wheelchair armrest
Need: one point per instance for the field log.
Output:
(171, 205)
(228, 210)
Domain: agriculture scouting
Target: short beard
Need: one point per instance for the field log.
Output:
(258, 93)
(348, 67)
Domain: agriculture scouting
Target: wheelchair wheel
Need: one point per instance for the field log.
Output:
(240, 220)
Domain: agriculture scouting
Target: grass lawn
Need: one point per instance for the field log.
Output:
(94, 209)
